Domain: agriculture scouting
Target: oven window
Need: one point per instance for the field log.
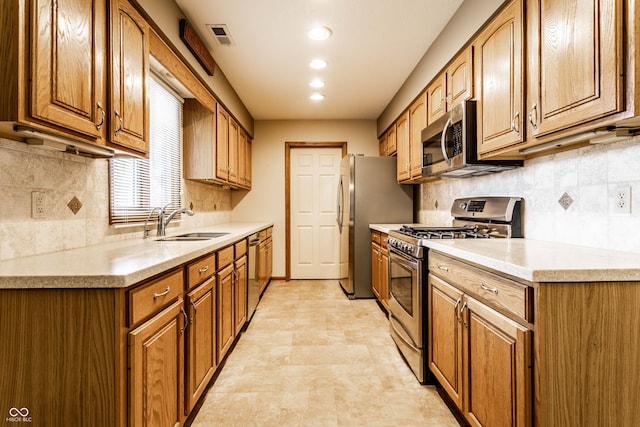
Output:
(402, 279)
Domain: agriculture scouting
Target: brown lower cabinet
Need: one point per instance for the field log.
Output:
(156, 350)
(510, 352)
(201, 341)
(137, 356)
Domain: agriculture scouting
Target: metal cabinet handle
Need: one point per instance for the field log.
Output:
(443, 268)
(464, 306)
(102, 113)
(487, 288)
(534, 119)
(203, 269)
(515, 123)
(186, 320)
(161, 294)
(455, 310)
(117, 131)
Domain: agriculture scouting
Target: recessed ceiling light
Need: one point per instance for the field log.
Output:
(316, 83)
(318, 64)
(319, 33)
(317, 97)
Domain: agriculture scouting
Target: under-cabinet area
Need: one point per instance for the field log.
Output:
(139, 354)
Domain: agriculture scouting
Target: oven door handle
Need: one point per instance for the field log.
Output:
(443, 141)
(392, 321)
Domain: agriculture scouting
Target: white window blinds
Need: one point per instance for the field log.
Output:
(138, 185)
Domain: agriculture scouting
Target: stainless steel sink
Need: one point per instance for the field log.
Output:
(193, 236)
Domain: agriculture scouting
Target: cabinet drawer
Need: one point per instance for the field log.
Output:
(225, 257)
(147, 299)
(375, 236)
(200, 270)
(383, 240)
(269, 231)
(498, 292)
(240, 248)
(262, 235)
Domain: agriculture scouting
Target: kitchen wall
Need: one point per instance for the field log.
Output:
(265, 202)
(588, 175)
(61, 177)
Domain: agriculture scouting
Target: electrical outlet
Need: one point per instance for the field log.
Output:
(622, 200)
(37, 205)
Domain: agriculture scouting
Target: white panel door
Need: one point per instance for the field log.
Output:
(315, 239)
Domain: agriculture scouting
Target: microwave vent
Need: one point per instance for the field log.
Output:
(221, 34)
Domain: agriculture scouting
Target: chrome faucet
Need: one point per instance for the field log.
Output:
(163, 222)
(145, 232)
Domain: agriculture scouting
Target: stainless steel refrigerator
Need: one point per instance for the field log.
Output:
(368, 193)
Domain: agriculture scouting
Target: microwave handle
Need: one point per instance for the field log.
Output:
(442, 141)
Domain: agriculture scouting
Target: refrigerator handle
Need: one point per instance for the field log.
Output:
(340, 198)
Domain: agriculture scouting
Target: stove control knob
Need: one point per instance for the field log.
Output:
(463, 206)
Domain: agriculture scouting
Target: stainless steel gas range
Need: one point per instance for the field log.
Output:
(473, 218)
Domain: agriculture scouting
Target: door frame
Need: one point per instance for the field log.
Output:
(287, 190)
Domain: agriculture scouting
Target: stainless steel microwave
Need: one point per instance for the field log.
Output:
(449, 146)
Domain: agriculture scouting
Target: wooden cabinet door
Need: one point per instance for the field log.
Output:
(156, 370)
(417, 122)
(382, 145)
(437, 98)
(240, 294)
(460, 78)
(222, 145)
(233, 151)
(68, 54)
(445, 337)
(262, 265)
(391, 140)
(269, 259)
(499, 74)
(242, 158)
(403, 147)
(575, 62)
(498, 365)
(248, 160)
(201, 341)
(129, 121)
(225, 323)
(375, 270)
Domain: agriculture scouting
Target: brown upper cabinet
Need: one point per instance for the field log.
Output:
(417, 122)
(129, 54)
(580, 62)
(56, 81)
(499, 78)
(402, 147)
(216, 149)
(574, 51)
(452, 86)
(388, 141)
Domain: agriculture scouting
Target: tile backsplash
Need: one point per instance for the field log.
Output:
(68, 182)
(584, 180)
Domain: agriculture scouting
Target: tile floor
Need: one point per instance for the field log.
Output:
(312, 357)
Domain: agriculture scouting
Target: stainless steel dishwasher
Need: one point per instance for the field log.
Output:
(253, 290)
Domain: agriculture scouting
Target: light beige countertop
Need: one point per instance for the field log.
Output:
(384, 228)
(542, 261)
(115, 265)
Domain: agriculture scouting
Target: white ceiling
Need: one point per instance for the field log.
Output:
(374, 47)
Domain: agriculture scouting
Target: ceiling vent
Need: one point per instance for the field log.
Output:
(221, 34)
